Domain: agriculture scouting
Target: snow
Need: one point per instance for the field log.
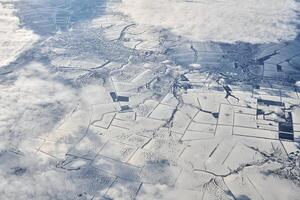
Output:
(177, 133)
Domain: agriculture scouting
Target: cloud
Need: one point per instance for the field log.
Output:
(230, 21)
(13, 39)
(32, 102)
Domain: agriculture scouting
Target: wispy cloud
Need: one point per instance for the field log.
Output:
(32, 102)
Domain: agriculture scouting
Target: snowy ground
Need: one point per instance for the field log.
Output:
(117, 100)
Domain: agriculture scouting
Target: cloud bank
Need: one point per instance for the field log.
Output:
(253, 21)
(13, 39)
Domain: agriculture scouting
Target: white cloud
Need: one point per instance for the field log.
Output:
(13, 39)
(32, 105)
(32, 101)
(254, 21)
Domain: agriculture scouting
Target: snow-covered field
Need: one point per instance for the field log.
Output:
(188, 100)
